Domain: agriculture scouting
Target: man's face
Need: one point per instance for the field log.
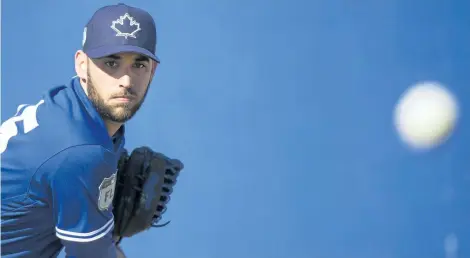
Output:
(117, 84)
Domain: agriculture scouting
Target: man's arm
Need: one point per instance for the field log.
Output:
(82, 181)
(120, 253)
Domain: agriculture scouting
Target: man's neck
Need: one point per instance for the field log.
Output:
(112, 127)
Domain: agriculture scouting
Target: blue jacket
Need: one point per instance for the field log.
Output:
(58, 173)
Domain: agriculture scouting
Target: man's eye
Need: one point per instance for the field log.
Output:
(139, 65)
(111, 63)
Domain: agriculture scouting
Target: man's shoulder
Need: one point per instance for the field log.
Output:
(83, 161)
(55, 123)
(65, 118)
(86, 154)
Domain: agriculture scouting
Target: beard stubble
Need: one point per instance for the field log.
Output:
(118, 113)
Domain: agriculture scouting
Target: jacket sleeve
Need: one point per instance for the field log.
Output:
(82, 181)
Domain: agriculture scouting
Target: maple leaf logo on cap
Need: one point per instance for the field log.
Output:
(126, 26)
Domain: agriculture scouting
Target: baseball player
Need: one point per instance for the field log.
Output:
(67, 182)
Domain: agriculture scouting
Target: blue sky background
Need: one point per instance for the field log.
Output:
(282, 114)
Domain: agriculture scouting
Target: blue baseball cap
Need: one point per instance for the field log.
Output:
(120, 28)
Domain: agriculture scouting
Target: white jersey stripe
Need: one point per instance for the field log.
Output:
(85, 240)
(75, 234)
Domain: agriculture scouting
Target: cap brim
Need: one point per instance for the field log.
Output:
(111, 50)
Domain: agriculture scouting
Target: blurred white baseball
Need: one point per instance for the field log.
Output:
(425, 115)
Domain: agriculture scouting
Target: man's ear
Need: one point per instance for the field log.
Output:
(154, 67)
(81, 65)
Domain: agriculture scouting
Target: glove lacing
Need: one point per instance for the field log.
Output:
(169, 181)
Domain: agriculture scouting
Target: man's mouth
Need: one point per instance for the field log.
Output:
(124, 98)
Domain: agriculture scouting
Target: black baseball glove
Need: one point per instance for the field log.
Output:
(145, 180)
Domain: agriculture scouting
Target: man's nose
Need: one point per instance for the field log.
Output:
(125, 81)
